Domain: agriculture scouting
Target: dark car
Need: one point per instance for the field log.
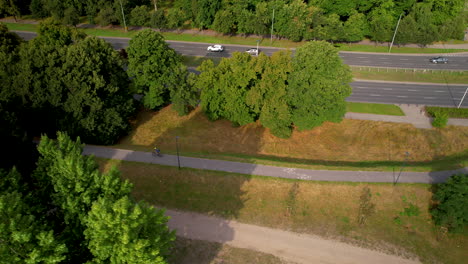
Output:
(438, 60)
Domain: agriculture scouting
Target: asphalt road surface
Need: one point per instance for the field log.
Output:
(377, 92)
(404, 93)
(456, 62)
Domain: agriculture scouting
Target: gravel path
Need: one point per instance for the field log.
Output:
(299, 248)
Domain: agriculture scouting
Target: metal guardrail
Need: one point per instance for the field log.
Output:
(413, 70)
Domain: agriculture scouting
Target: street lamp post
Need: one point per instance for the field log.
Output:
(177, 148)
(123, 16)
(402, 166)
(258, 41)
(272, 21)
(463, 98)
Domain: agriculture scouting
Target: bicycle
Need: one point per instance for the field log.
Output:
(156, 153)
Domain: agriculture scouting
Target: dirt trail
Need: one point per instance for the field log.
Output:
(290, 246)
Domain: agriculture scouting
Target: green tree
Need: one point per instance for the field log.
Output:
(224, 22)
(22, 238)
(71, 17)
(382, 21)
(269, 96)
(106, 16)
(227, 85)
(318, 85)
(158, 19)
(452, 208)
(10, 7)
(206, 12)
(176, 18)
(140, 16)
(155, 67)
(355, 28)
(426, 31)
(125, 232)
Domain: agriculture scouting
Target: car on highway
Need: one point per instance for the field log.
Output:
(438, 60)
(215, 48)
(253, 51)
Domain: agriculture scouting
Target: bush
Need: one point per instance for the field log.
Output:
(451, 112)
(140, 16)
(440, 119)
(158, 19)
(106, 17)
(452, 209)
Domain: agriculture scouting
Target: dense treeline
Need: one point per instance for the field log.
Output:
(423, 21)
(66, 211)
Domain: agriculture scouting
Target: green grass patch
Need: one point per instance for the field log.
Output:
(239, 40)
(328, 209)
(378, 109)
(450, 112)
(384, 49)
(402, 75)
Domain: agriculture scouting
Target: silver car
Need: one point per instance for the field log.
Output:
(438, 60)
(253, 51)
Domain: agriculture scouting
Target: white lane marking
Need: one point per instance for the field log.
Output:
(362, 87)
(412, 90)
(362, 57)
(402, 96)
(374, 94)
(387, 62)
(440, 91)
(404, 59)
(429, 97)
(388, 89)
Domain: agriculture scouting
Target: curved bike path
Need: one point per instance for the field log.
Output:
(273, 171)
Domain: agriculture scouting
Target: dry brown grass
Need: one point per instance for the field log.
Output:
(327, 209)
(348, 141)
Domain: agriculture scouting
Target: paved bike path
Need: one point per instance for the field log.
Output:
(273, 171)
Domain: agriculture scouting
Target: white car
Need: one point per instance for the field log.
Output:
(252, 51)
(217, 48)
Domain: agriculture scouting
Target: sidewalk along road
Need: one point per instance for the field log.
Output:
(272, 171)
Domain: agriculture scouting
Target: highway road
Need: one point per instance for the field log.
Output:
(363, 91)
(408, 93)
(456, 62)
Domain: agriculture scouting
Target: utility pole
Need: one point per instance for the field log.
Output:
(463, 98)
(258, 41)
(272, 21)
(394, 34)
(177, 148)
(123, 16)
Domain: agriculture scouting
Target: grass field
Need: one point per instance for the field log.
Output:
(349, 145)
(189, 251)
(401, 75)
(369, 108)
(326, 209)
(283, 43)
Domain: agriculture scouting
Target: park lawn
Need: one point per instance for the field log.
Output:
(239, 40)
(402, 76)
(349, 145)
(189, 251)
(370, 108)
(328, 209)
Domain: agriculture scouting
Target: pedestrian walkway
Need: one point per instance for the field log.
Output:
(398, 175)
(299, 248)
(414, 114)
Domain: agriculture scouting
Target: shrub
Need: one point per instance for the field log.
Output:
(139, 16)
(451, 112)
(452, 209)
(440, 119)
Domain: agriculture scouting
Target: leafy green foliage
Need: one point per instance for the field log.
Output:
(22, 238)
(125, 232)
(158, 19)
(452, 208)
(71, 17)
(140, 16)
(158, 72)
(451, 112)
(318, 85)
(440, 119)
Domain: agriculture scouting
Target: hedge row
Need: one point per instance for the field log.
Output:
(450, 112)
